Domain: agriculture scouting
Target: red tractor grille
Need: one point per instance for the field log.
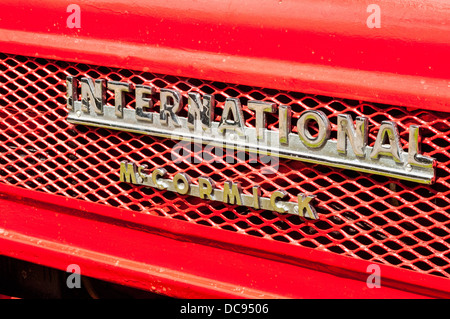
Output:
(361, 215)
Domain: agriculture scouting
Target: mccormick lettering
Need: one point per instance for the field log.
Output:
(205, 188)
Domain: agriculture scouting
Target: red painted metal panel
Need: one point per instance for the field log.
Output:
(360, 215)
(185, 260)
(321, 47)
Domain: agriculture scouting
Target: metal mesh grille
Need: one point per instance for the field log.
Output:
(361, 215)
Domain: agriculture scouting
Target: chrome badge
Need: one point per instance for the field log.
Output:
(350, 150)
(231, 193)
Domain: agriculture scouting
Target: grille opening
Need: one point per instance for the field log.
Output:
(365, 216)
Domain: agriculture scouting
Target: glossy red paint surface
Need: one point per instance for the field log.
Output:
(308, 46)
(320, 47)
(186, 260)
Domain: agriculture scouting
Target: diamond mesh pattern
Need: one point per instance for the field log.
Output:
(361, 215)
